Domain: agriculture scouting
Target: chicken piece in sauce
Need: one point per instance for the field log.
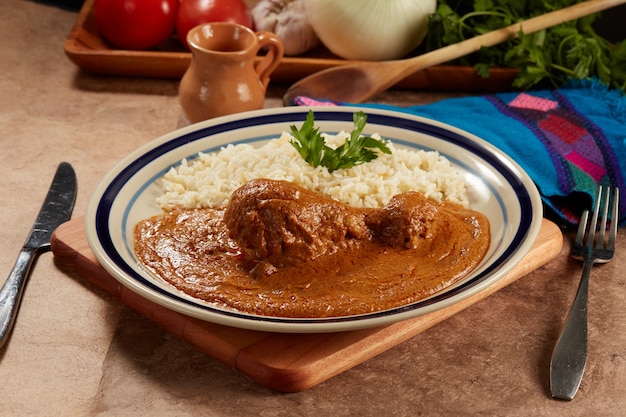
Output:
(284, 224)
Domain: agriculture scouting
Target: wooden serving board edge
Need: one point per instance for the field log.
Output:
(280, 361)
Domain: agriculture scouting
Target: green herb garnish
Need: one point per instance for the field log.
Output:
(357, 149)
(572, 50)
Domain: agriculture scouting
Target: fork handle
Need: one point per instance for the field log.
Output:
(570, 353)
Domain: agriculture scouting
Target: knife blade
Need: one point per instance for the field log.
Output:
(55, 210)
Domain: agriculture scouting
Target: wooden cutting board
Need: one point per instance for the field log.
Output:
(282, 362)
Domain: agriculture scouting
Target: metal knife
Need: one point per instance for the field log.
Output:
(56, 210)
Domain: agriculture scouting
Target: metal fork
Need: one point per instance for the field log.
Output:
(590, 246)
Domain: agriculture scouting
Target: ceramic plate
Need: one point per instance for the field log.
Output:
(498, 187)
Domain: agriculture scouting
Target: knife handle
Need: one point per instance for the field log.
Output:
(11, 293)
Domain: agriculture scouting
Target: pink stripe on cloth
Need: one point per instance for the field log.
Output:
(527, 101)
(307, 101)
(594, 170)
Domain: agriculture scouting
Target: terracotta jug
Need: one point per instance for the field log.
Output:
(224, 76)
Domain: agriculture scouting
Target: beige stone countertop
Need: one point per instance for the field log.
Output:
(75, 351)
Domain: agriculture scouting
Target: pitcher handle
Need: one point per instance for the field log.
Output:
(269, 62)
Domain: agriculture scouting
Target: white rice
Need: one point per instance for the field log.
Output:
(209, 180)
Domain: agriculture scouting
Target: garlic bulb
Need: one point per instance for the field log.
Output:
(287, 19)
(371, 30)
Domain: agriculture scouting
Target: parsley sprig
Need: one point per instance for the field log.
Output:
(357, 149)
(572, 50)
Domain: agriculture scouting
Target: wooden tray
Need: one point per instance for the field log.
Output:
(87, 49)
(282, 362)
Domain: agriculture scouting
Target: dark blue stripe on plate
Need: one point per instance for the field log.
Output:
(103, 210)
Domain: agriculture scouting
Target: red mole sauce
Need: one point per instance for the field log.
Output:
(278, 249)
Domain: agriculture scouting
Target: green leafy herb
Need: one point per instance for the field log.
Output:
(571, 50)
(357, 149)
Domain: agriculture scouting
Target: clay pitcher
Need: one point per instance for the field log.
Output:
(224, 75)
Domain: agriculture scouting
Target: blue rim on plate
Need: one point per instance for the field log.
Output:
(498, 187)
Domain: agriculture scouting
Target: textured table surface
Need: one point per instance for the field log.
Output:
(77, 352)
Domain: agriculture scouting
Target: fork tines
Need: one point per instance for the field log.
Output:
(591, 235)
(608, 203)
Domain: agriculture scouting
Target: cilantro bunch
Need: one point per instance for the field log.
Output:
(572, 50)
(357, 149)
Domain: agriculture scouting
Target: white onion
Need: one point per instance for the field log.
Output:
(371, 30)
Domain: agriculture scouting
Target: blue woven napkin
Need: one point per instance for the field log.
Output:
(569, 140)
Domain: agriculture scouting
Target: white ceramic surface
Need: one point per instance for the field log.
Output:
(498, 187)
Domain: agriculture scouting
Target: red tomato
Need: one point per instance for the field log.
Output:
(136, 24)
(192, 13)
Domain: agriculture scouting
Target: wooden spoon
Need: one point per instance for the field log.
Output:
(358, 82)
